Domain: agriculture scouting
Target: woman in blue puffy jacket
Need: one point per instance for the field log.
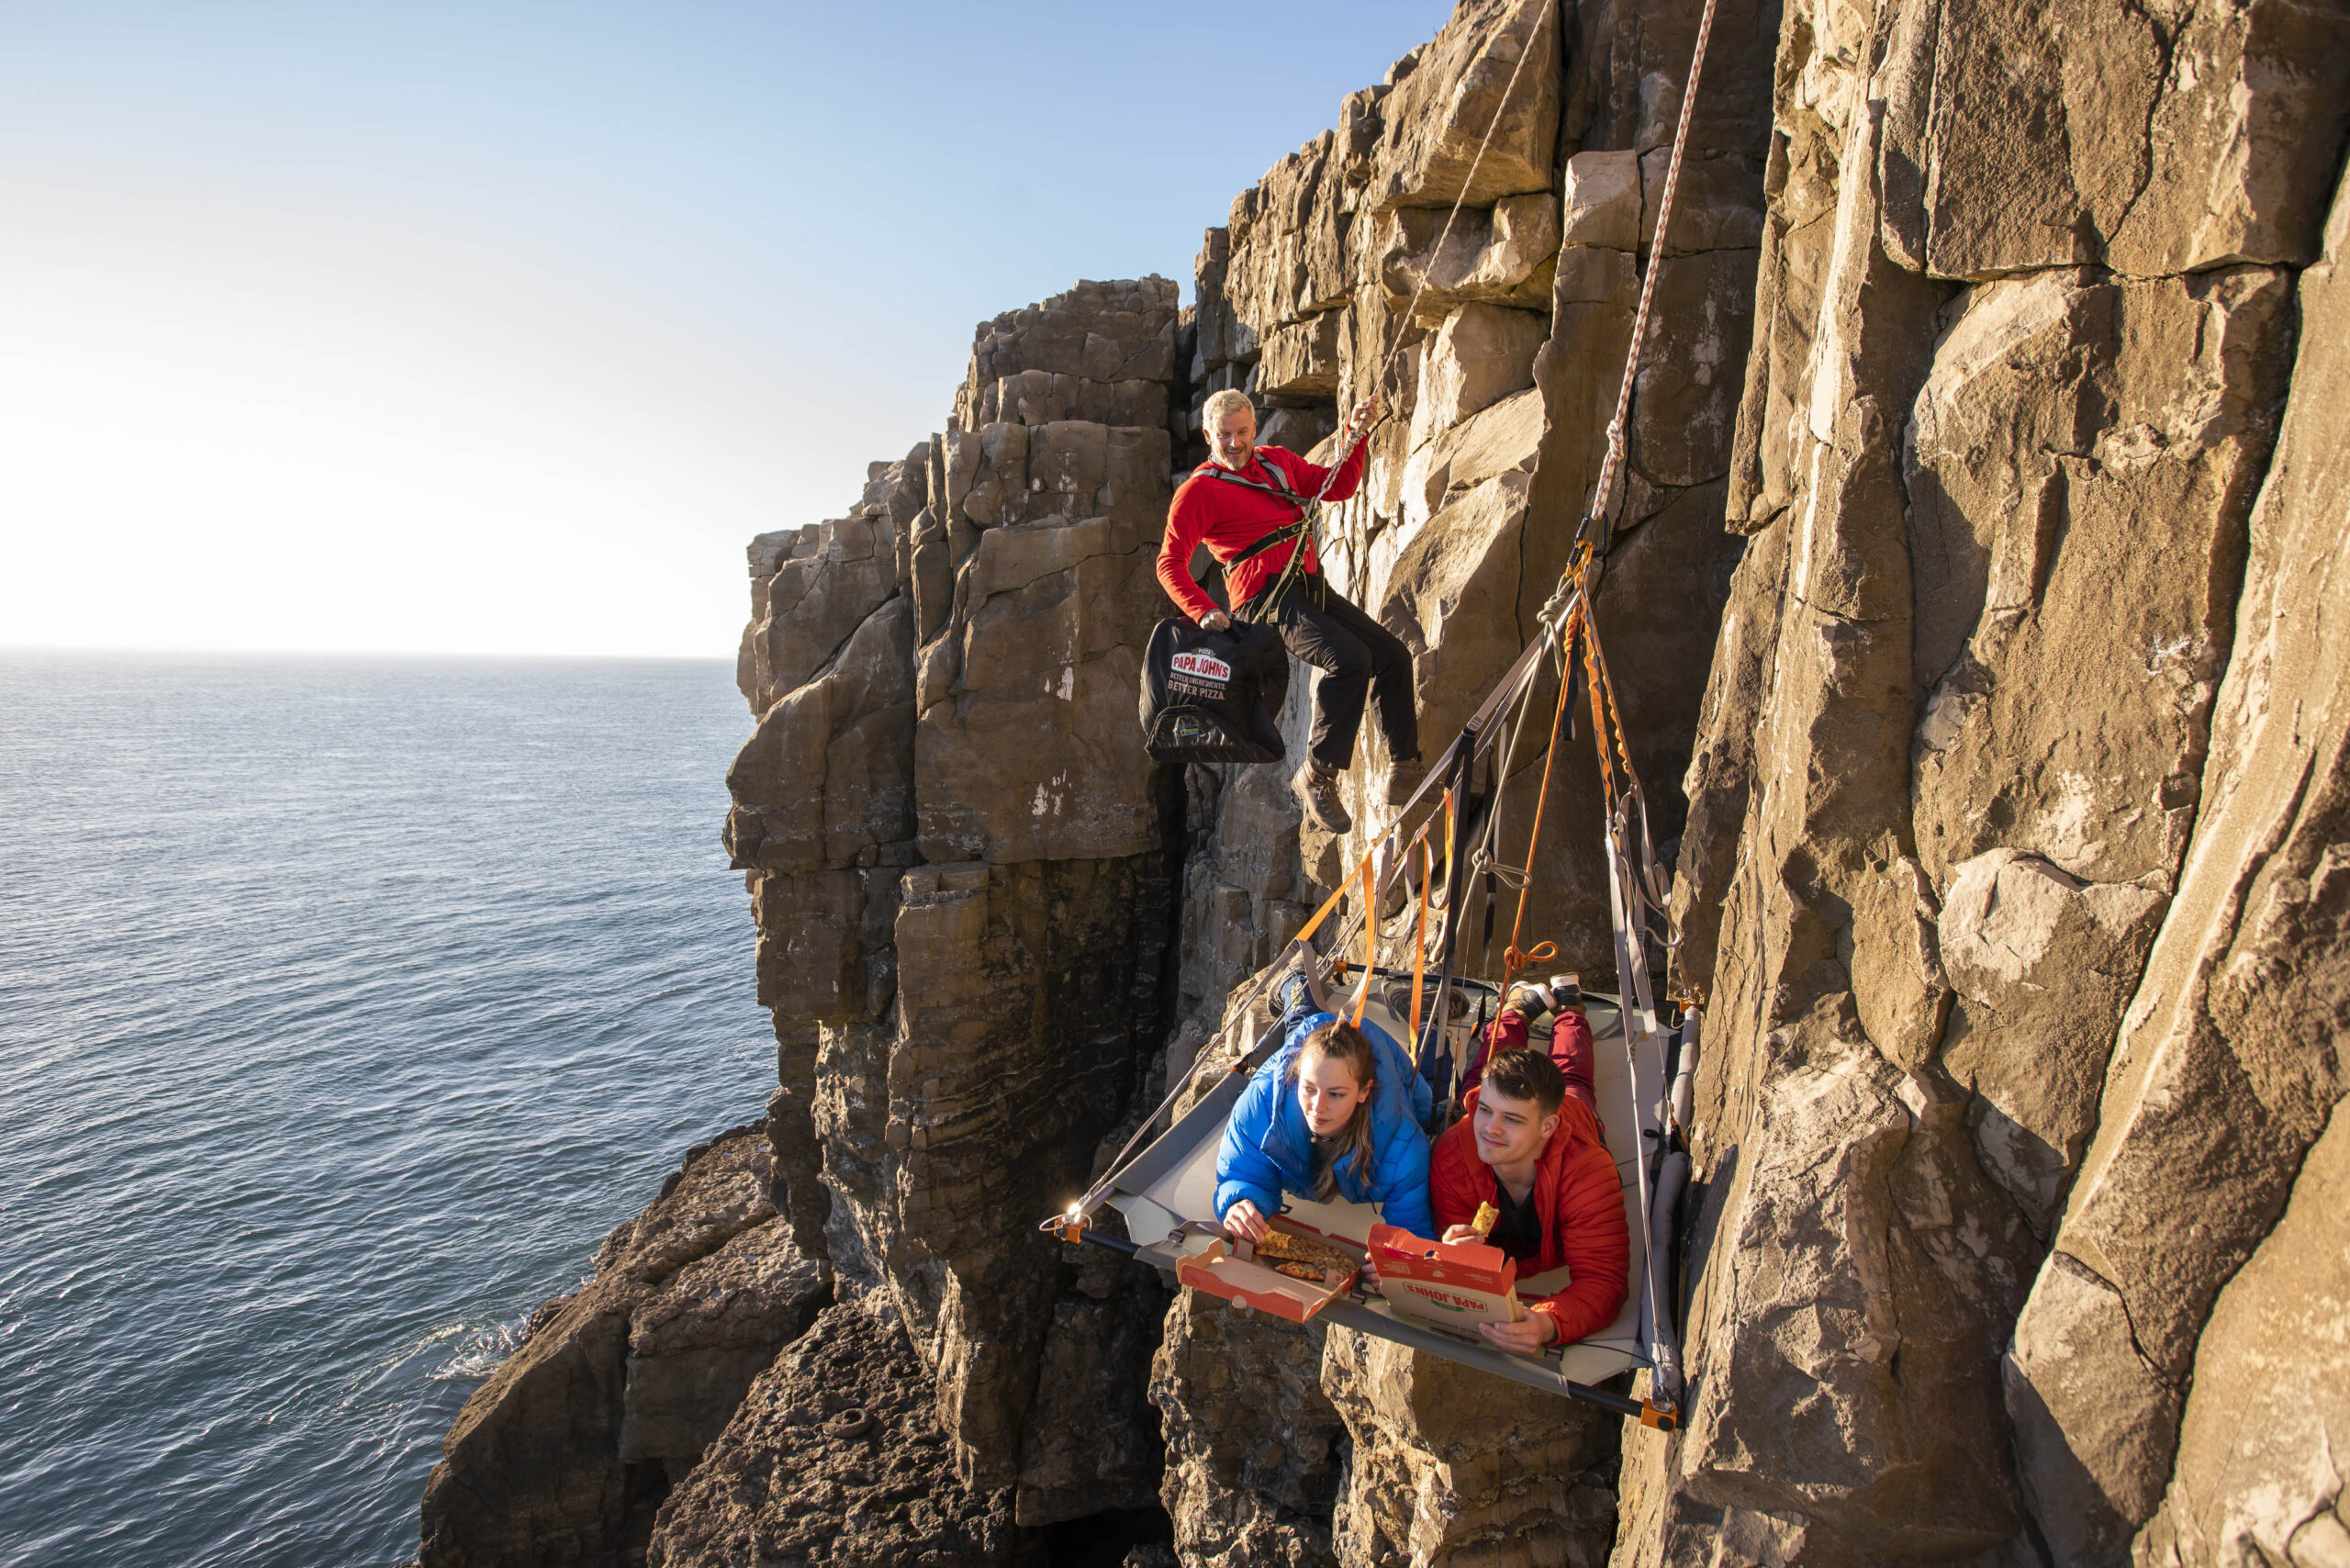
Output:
(1335, 1114)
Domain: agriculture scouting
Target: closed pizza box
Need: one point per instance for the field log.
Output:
(1246, 1282)
(1450, 1288)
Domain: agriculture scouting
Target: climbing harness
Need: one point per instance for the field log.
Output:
(1279, 489)
(1653, 1142)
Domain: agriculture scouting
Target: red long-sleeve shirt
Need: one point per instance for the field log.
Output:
(1579, 1199)
(1228, 517)
(1570, 1048)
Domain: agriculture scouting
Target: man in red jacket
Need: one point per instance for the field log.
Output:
(1534, 1153)
(1245, 504)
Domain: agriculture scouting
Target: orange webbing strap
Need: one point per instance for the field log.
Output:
(1449, 834)
(1599, 706)
(1513, 959)
(1305, 932)
(1370, 939)
(1596, 659)
(1420, 937)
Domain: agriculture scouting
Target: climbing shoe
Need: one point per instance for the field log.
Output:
(1317, 787)
(1528, 1000)
(1566, 991)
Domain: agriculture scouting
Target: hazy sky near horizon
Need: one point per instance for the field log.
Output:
(500, 328)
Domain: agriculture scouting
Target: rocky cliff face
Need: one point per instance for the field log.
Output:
(959, 859)
(1967, 595)
(2009, 878)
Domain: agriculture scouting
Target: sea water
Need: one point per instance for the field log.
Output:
(346, 1005)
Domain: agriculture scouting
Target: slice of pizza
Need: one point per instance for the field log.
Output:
(1280, 1246)
(1487, 1217)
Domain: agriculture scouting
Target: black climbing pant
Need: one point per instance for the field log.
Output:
(1356, 656)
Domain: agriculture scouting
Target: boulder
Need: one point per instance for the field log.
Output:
(836, 1455)
(1021, 994)
(2011, 518)
(1104, 335)
(1481, 354)
(1456, 1466)
(1091, 1442)
(2169, 147)
(2258, 1471)
(2068, 714)
(1504, 254)
(1601, 197)
(1458, 98)
(2224, 1074)
(565, 1453)
(1253, 1442)
(2043, 964)
(826, 778)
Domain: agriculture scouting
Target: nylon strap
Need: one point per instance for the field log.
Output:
(1278, 488)
(1420, 928)
(1281, 535)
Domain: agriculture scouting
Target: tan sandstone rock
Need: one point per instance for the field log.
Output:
(1456, 1466)
(2012, 521)
(2226, 1068)
(1251, 1440)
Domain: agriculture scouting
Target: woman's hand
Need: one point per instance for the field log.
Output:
(1243, 1223)
(1459, 1235)
(1368, 1281)
(1215, 621)
(1364, 412)
(1525, 1338)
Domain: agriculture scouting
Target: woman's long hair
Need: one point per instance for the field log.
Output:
(1340, 1041)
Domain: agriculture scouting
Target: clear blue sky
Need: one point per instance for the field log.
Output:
(501, 327)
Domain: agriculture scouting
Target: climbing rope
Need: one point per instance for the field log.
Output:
(1420, 928)
(1514, 959)
(1508, 91)
(1310, 535)
(1614, 455)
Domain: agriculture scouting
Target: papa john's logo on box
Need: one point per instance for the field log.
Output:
(1202, 666)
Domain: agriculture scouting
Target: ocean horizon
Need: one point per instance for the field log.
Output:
(347, 1001)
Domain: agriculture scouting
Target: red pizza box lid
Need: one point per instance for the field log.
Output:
(1474, 1265)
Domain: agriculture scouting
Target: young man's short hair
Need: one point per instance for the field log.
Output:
(1527, 1074)
(1230, 400)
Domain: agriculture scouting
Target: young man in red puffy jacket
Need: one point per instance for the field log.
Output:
(1244, 504)
(1534, 1153)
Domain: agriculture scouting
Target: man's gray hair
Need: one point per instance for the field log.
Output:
(1231, 400)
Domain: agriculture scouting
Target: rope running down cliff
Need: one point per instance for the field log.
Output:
(1404, 323)
(1615, 455)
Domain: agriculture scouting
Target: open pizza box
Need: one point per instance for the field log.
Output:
(1452, 1288)
(1247, 1280)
